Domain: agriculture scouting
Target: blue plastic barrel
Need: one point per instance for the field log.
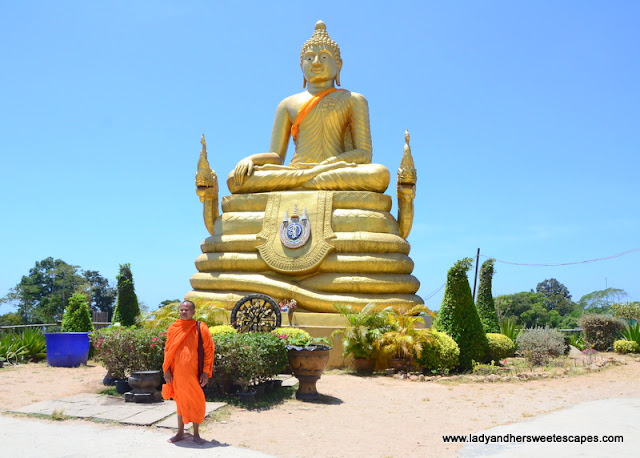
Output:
(67, 349)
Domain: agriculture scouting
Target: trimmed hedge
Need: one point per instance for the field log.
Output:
(77, 317)
(626, 346)
(441, 354)
(485, 304)
(600, 331)
(127, 306)
(500, 346)
(459, 318)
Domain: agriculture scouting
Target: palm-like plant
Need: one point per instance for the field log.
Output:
(366, 327)
(206, 311)
(631, 332)
(405, 341)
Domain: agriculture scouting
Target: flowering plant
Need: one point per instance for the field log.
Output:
(287, 305)
(123, 350)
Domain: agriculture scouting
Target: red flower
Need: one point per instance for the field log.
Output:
(153, 345)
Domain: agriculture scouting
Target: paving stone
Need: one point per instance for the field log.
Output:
(172, 421)
(291, 381)
(44, 407)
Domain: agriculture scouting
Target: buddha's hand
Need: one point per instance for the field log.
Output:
(337, 163)
(243, 170)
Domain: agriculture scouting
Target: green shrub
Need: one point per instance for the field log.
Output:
(500, 346)
(626, 346)
(459, 318)
(485, 304)
(600, 331)
(248, 357)
(540, 344)
(77, 317)
(124, 350)
(439, 354)
(127, 307)
(365, 328)
(577, 341)
(222, 329)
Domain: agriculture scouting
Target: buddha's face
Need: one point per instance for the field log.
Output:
(319, 64)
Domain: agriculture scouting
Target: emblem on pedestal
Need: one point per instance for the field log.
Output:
(295, 231)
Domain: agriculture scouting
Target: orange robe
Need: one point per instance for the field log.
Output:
(181, 357)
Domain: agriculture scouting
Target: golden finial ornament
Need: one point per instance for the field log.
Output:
(406, 189)
(207, 188)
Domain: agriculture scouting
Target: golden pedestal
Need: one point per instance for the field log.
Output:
(354, 255)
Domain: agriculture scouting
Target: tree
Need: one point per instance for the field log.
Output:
(77, 317)
(459, 318)
(600, 301)
(10, 319)
(485, 304)
(101, 293)
(42, 295)
(127, 307)
(518, 304)
(557, 296)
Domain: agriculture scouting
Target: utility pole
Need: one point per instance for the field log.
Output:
(475, 279)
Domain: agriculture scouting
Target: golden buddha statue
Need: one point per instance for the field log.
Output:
(330, 128)
(319, 229)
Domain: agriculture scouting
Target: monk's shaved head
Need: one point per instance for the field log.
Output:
(191, 304)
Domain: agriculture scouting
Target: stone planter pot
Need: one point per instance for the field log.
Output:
(364, 366)
(144, 386)
(307, 365)
(246, 397)
(122, 386)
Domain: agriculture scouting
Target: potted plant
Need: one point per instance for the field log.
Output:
(308, 356)
(404, 343)
(360, 337)
(70, 348)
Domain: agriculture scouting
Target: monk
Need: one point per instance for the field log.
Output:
(330, 129)
(184, 383)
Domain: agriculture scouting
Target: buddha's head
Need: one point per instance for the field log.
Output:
(320, 57)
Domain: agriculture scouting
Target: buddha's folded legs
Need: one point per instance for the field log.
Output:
(364, 177)
(361, 177)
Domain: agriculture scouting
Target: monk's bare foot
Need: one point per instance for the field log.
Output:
(199, 440)
(176, 438)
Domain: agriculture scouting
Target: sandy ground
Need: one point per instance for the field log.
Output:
(377, 416)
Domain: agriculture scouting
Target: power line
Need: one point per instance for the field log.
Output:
(563, 263)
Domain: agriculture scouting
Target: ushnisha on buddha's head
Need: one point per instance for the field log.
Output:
(320, 57)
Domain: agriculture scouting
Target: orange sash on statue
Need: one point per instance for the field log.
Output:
(306, 108)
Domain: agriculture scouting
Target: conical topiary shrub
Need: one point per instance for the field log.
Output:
(459, 318)
(485, 305)
(127, 307)
(77, 317)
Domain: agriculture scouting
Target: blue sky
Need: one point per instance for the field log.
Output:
(524, 121)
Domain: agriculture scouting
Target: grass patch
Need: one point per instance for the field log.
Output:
(110, 391)
(59, 415)
(221, 414)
